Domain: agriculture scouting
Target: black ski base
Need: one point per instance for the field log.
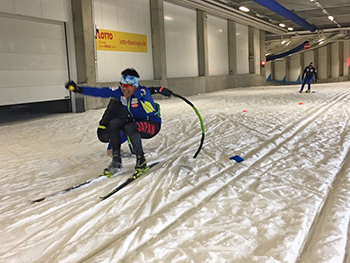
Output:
(128, 181)
(69, 189)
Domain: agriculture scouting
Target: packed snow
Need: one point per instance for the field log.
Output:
(288, 201)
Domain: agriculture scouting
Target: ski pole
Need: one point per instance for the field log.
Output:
(200, 119)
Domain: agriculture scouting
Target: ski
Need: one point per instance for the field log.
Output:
(69, 189)
(128, 181)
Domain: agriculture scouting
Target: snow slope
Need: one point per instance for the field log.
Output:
(288, 201)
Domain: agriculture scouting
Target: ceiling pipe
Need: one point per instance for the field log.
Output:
(303, 34)
(292, 51)
(281, 10)
(216, 8)
(323, 30)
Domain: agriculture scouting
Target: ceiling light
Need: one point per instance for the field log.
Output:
(331, 18)
(290, 28)
(288, 43)
(282, 25)
(312, 0)
(283, 41)
(321, 42)
(244, 9)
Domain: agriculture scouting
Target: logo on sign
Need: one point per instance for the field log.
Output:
(307, 45)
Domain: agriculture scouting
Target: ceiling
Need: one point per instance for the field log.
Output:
(314, 12)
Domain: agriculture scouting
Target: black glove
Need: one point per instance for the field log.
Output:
(164, 91)
(73, 87)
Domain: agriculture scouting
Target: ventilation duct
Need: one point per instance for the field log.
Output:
(292, 51)
(282, 11)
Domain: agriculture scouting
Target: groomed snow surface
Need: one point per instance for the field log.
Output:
(288, 201)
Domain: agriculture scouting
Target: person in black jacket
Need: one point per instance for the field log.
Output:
(307, 77)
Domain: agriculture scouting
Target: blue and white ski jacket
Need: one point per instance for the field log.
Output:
(140, 105)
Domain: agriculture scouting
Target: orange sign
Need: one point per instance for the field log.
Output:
(120, 41)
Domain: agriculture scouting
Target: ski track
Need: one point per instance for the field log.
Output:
(300, 124)
(200, 190)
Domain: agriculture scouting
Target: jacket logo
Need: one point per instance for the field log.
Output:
(145, 127)
(123, 100)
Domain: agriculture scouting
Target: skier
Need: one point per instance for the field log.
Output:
(141, 119)
(115, 110)
(309, 71)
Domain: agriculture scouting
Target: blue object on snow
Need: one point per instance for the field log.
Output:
(237, 158)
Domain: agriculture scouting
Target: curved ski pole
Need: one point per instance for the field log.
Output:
(200, 119)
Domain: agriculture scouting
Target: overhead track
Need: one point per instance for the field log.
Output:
(213, 7)
(281, 10)
(292, 51)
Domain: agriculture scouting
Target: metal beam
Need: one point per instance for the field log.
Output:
(216, 8)
(281, 10)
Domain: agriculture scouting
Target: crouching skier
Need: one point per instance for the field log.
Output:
(142, 120)
(115, 109)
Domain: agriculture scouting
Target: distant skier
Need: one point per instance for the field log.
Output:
(142, 120)
(309, 71)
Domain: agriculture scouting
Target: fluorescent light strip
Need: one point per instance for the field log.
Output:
(244, 9)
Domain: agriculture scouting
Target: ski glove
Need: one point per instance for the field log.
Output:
(164, 91)
(73, 87)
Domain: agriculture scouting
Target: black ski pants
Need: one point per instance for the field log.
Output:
(134, 129)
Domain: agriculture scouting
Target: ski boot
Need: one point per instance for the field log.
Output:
(115, 165)
(141, 166)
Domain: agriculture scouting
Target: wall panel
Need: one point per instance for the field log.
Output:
(217, 46)
(308, 57)
(242, 49)
(280, 69)
(181, 41)
(49, 9)
(295, 67)
(322, 63)
(32, 69)
(335, 60)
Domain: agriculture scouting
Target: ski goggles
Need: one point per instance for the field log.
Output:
(127, 86)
